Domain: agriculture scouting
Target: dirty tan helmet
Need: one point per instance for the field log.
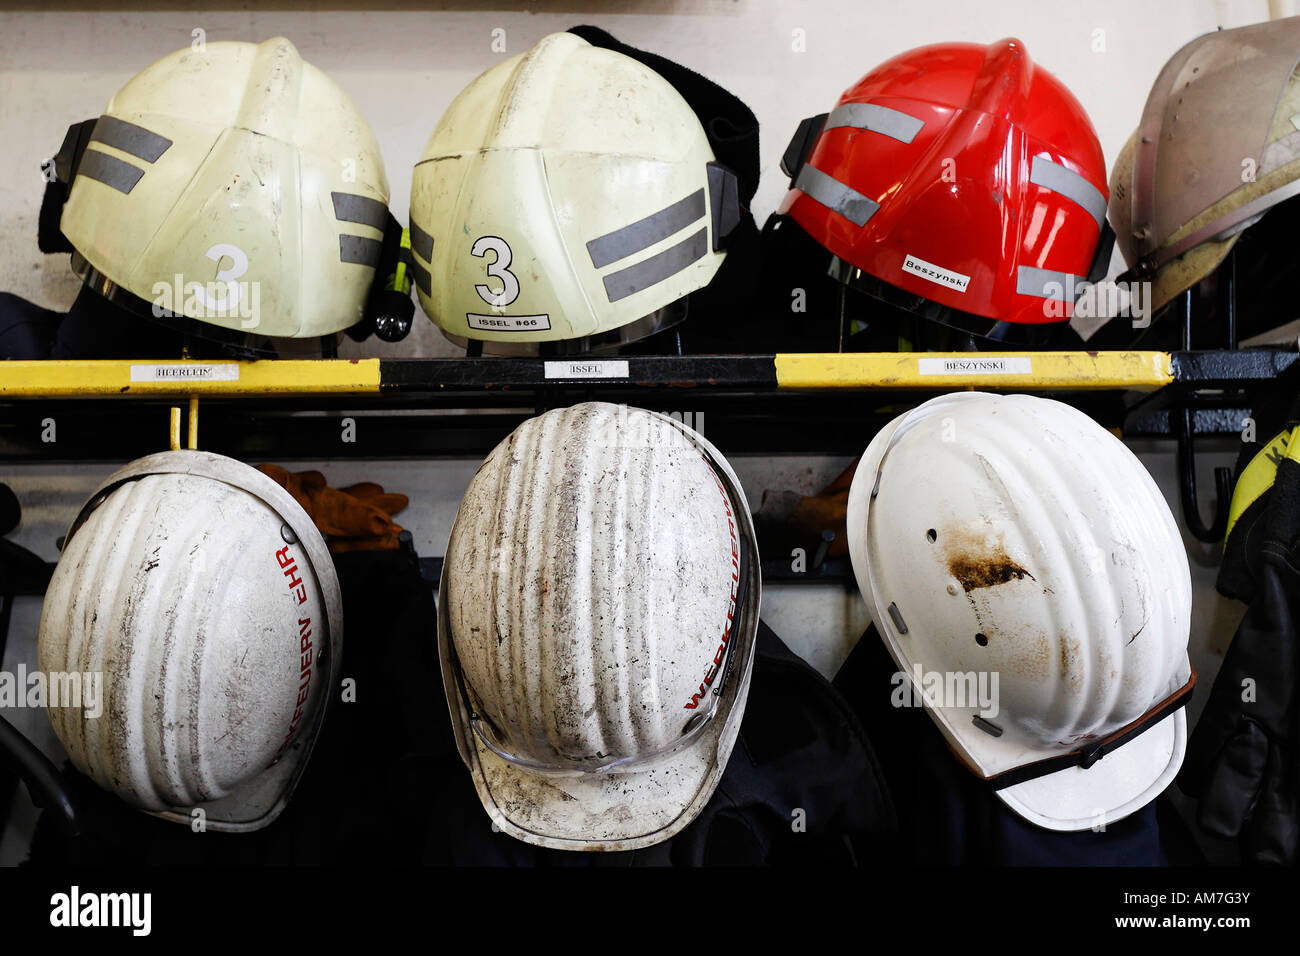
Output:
(1217, 147)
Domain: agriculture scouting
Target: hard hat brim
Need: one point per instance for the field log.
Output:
(1116, 786)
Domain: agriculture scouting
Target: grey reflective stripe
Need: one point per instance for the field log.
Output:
(421, 242)
(644, 233)
(360, 250)
(878, 119)
(349, 207)
(674, 259)
(109, 170)
(1031, 281)
(835, 196)
(129, 138)
(1043, 172)
(421, 278)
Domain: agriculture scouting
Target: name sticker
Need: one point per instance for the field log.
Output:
(605, 368)
(508, 323)
(185, 372)
(1014, 365)
(936, 274)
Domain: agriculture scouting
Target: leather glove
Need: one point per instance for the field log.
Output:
(358, 517)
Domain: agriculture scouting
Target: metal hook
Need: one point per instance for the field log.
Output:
(1187, 485)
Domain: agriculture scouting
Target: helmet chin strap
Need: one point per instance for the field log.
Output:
(1087, 755)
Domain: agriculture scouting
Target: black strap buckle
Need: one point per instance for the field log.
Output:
(724, 203)
(801, 144)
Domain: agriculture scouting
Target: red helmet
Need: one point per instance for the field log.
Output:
(961, 174)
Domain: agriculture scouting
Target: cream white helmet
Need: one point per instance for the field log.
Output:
(596, 625)
(244, 170)
(206, 598)
(568, 195)
(1010, 535)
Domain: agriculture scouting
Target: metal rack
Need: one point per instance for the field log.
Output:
(791, 403)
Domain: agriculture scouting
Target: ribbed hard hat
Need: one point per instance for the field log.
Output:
(239, 163)
(962, 173)
(206, 599)
(564, 195)
(599, 599)
(1011, 535)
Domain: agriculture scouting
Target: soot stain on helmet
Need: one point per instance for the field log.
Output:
(977, 562)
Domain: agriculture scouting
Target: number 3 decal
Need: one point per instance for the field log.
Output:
(498, 269)
(238, 266)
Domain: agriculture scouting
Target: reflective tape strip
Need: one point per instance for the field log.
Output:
(644, 233)
(1043, 172)
(349, 207)
(360, 250)
(109, 170)
(1031, 281)
(836, 196)
(877, 119)
(648, 272)
(421, 242)
(129, 138)
(422, 281)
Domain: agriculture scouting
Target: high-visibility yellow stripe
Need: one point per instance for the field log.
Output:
(1259, 474)
(998, 370)
(86, 379)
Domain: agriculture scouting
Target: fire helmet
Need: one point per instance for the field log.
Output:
(959, 181)
(1217, 147)
(206, 601)
(234, 185)
(596, 626)
(1009, 543)
(566, 201)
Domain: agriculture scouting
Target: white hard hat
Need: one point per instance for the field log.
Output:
(596, 626)
(206, 598)
(243, 169)
(1011, 535)
(567, 194)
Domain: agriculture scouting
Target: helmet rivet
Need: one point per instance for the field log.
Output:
(286, 533)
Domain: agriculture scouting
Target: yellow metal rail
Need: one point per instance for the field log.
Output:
(996, 370)
(882, 371)
(90, 379)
